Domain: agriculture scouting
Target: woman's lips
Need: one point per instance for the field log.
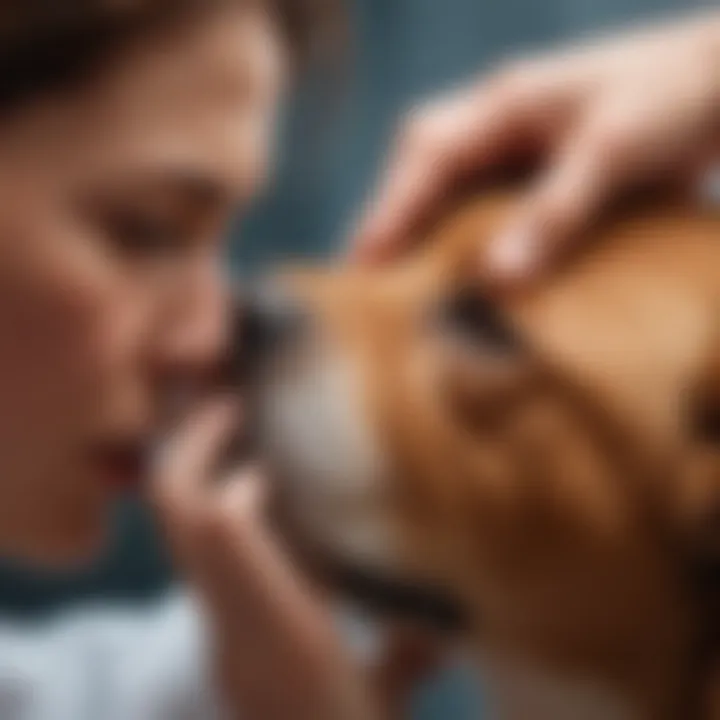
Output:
(123, 466)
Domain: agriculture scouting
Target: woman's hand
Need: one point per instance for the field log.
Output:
(275, 648)
(643, 107)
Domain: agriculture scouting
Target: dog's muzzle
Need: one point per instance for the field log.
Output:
(393, 599)
(271, 324)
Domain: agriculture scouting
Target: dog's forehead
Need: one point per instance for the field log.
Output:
(631, 318)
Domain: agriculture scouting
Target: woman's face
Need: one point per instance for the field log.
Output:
(113, 205)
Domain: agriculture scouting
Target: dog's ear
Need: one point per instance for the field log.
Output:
(699, 488)
(704, 408)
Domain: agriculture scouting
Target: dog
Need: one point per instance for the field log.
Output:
(537, 473)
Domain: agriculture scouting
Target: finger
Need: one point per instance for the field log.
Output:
(442, 146)
(185, 461)
(232, 556)
(225, 531)
(596, 164)
(435, 149)
(243, 495)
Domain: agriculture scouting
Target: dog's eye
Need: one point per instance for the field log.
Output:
(474, 317)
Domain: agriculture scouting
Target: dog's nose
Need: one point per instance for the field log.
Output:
(269, 319)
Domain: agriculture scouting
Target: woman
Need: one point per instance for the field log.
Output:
(130, 132)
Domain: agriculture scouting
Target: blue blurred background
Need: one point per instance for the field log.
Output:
(405, 49)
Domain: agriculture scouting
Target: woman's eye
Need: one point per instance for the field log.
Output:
(142, 234)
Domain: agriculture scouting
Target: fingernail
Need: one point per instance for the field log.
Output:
(512, 255)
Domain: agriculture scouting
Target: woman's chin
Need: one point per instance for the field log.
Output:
(69, 551)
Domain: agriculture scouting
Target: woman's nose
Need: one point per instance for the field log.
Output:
(194, 340)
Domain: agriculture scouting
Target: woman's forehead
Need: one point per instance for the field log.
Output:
(204, 100)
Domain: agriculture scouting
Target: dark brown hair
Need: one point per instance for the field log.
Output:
(49, 45)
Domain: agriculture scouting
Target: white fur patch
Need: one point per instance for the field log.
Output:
(332, 468)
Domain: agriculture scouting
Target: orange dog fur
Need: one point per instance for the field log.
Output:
(562, 491)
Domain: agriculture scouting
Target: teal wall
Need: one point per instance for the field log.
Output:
(407, 49)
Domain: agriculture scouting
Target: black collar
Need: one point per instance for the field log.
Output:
(395, 599)
(704, 580)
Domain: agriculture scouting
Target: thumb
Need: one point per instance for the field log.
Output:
(183, 467)
(243, 496)
(568, 198)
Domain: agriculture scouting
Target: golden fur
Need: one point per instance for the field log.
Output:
(562, 492)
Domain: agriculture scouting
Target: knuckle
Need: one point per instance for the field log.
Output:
(421, 132)
(512, 83)
(611, 137)
(555, 212)
(554, 221)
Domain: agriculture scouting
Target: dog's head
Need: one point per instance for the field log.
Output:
(527, 461)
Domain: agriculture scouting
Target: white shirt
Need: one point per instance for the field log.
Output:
(117, 663)
(145, 663)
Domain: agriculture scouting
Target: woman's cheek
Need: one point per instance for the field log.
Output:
(67, 320)
(109, 312)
